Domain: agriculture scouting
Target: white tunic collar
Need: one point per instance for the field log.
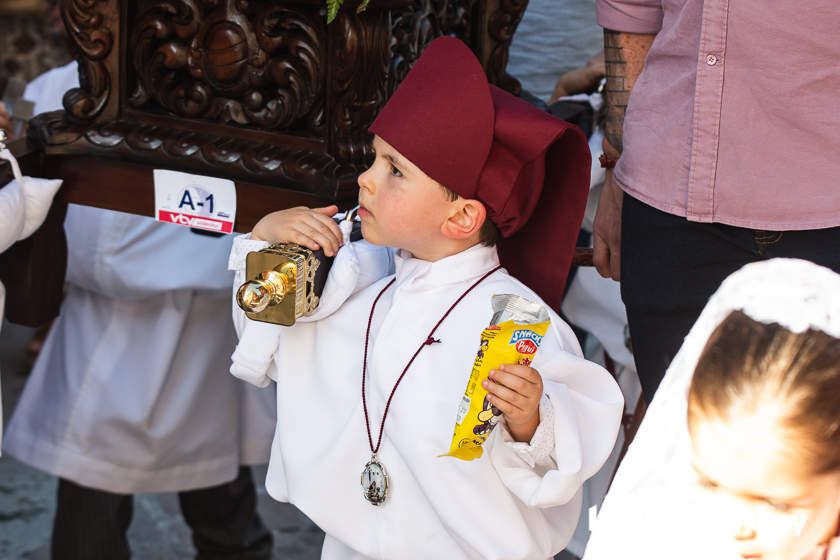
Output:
(457, 268)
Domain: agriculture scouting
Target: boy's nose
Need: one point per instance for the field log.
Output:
(745, 533)
(366, 181)
(746, 520)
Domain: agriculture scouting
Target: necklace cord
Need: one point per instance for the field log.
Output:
(427, 342)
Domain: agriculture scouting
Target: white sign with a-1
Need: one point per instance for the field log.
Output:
(195, 201)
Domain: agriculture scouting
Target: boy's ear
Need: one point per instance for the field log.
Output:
(465, 220)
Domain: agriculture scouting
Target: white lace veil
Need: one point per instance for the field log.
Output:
(648, 507)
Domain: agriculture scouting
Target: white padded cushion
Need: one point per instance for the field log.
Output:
(38, 194)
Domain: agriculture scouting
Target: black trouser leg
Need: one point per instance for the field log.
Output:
(656, 336)
(670, 267)
(224, 520)
(90, 524)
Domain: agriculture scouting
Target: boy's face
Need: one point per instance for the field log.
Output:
(400, 206)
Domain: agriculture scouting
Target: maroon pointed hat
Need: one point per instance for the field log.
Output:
(528, 168)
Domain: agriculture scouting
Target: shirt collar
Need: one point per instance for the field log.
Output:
(466, 265)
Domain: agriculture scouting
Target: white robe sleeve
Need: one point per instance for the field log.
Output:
(581, 424)
(539, 452)
(242, 245)
(252, 358)
(126, 257)
(356, 266)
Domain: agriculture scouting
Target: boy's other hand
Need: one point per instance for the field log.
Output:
(516, 390)
(313, 228)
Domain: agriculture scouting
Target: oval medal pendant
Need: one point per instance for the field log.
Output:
(374, 482)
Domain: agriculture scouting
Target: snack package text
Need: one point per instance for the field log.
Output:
(513, 337)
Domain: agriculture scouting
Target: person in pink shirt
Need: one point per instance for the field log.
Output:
(719, 149)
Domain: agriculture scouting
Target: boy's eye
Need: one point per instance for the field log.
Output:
(781, 507)
(707, 484)
(396, 172)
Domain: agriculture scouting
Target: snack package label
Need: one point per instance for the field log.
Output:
(463, 409)
(506, 343)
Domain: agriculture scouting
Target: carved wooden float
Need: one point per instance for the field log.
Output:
(259, 91)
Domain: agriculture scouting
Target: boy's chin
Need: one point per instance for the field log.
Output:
(370, 235)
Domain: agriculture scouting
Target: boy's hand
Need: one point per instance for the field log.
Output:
(313, 228)
(516, 390)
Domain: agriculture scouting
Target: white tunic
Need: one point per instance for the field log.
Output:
(130, 392)
(47, 90)
(507, 504)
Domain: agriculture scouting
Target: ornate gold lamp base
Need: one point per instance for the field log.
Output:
(282, 283)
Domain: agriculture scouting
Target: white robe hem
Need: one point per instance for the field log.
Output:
(86, 471)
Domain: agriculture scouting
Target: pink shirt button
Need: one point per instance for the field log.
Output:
(711, 59)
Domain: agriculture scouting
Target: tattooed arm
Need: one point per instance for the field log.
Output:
(624, 54)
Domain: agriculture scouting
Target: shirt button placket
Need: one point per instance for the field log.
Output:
(708, 97)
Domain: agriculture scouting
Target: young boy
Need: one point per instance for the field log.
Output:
(370, 383)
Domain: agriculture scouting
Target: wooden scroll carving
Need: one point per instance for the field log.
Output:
(91, 25)
(257, 65)
(255, 90)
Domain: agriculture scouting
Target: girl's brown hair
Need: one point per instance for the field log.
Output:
(747, 365)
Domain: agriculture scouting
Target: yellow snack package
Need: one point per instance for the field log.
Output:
(513, 337)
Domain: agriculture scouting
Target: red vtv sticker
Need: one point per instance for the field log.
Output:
(526, 347)
(200, 222)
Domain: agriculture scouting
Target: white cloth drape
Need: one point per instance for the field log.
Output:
(653, 510)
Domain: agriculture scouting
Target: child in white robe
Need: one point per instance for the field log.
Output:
(129, 393)
(739, 454)
(369, 378)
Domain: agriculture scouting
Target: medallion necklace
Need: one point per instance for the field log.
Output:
(374, 476)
